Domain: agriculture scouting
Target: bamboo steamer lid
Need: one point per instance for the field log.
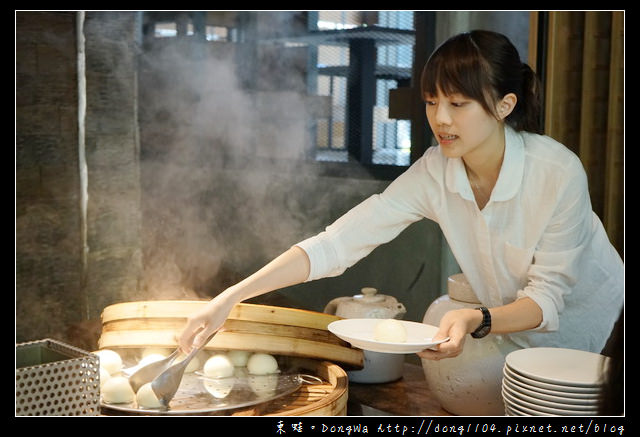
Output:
(252, 327)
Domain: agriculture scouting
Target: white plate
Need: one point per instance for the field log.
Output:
(360, 332)
(537, 402)
(510, 410)
(552, 395)
(519, 409)
(558, 365)
(535, 385)
(538, 410)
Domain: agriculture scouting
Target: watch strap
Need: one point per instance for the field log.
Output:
(485, 326)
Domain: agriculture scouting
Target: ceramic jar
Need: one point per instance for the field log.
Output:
(378, 367)
(471, 383)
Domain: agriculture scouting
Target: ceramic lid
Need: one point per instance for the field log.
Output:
(459, 289)
(370, 295)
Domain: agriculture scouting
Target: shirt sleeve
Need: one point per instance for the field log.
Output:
(375, 221)
(557, 256)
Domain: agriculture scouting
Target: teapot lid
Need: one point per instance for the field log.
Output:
(370, 295)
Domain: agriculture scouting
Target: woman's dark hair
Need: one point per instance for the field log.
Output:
(485, 66)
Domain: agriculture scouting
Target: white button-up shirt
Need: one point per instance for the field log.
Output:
(537, 237)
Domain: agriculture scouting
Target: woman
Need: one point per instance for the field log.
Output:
(513, 204)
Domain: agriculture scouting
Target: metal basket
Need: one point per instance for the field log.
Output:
(55, 379)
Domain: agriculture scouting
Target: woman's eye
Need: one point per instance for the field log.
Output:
(429, 102)
(457, 104)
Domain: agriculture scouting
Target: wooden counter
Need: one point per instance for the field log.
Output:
(408, 396)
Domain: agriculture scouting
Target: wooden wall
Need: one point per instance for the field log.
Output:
(584, 101)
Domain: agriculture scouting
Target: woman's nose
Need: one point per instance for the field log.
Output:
(442, 115)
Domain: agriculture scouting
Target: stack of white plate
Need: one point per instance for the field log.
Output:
(552, 382)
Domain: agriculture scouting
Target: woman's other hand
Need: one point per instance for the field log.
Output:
(456, 325)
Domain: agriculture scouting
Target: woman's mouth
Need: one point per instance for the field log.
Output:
(445, 139)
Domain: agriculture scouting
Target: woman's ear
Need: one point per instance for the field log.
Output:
(506, 105)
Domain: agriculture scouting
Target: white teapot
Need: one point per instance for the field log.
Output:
(368, 305)
(378, 367)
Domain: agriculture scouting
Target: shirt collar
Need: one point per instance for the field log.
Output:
(510, 176)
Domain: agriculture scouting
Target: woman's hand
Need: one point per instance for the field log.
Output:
(290, 268)
(203, 323)
(519, 315)
(456, 325)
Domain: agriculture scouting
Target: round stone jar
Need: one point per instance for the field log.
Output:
(471, 383)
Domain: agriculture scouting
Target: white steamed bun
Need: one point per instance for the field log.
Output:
(109, 360)
(147, 398)
(390, 331)
(262, 364)
(117, 390)
(218, 366)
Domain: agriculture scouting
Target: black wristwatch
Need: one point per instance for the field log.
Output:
(485, 325)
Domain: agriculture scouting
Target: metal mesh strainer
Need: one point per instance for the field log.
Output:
(55, 379)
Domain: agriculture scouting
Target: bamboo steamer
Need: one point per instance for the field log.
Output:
(326, 399)
(257, 328)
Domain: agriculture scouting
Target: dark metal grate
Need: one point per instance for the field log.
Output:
(360, 56)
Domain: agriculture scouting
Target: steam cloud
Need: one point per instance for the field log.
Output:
(220, 195)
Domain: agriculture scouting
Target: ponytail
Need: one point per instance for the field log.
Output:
(525, 115)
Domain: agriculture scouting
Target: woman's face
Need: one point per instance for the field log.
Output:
(461, 125)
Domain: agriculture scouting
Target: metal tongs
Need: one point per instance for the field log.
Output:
(149, 372)
(165, 378)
